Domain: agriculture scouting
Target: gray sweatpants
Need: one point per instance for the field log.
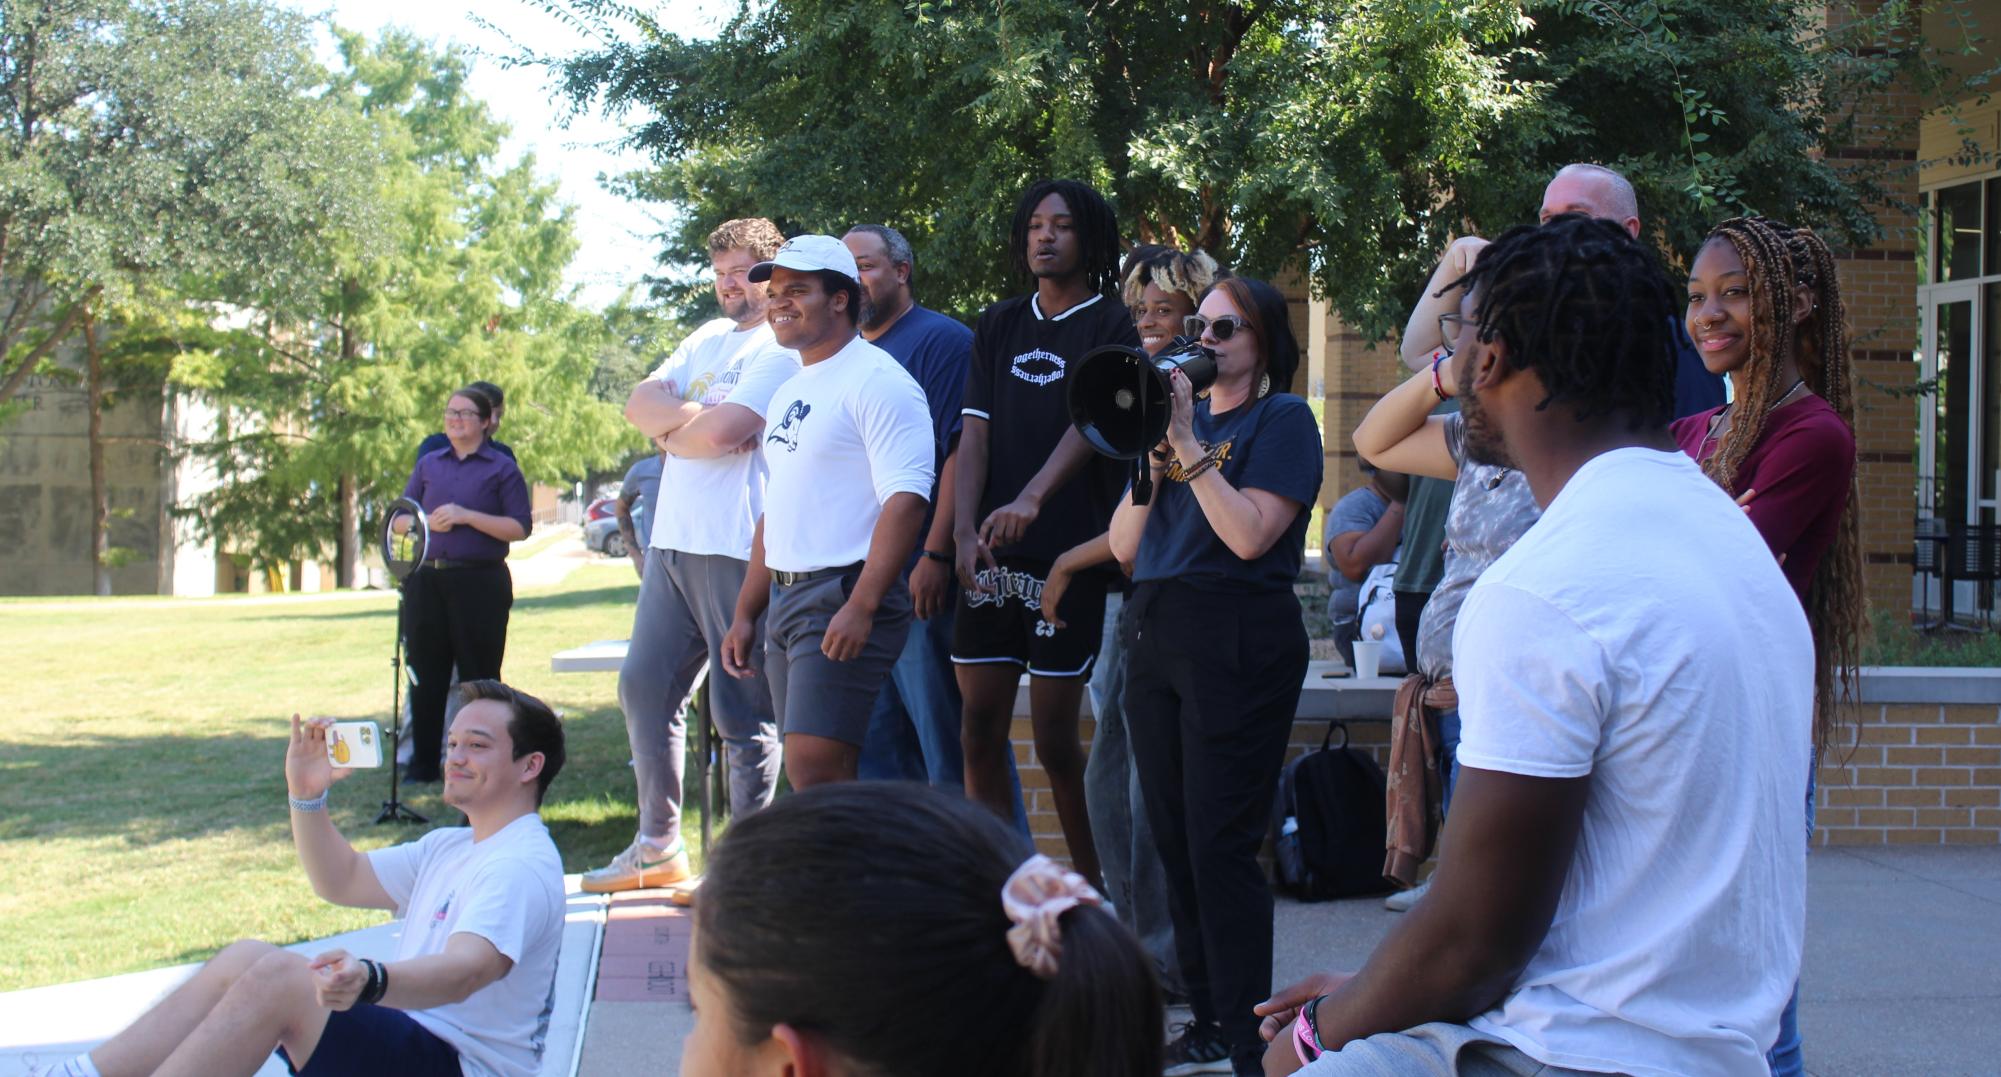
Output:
(813, 693)
(1437, 1049)
(686, 603)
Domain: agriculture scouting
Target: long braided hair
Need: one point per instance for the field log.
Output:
(1097, 232)
(1777, 259)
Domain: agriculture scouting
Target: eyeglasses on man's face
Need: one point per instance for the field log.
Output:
(461, 413)
(1450, 326)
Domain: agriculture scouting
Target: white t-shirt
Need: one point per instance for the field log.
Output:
(710, 506)
(1643, 635)
(507, 890)
(844, 434)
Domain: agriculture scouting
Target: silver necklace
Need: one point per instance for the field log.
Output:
(1716, 420)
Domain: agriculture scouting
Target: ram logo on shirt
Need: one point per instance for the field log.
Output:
(787, 433)
(1037, 367)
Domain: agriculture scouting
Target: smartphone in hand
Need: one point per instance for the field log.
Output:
(355, 744)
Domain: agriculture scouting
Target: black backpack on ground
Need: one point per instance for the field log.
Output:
(1328, 823)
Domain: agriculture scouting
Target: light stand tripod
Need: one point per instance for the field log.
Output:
(402, 551)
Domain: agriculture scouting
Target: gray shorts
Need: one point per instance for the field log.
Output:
(810, 692)
(1437, 1049)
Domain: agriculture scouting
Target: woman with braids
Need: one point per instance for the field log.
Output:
(1216, 654)
(1764, 308)
(1029, 488)
(931, 941)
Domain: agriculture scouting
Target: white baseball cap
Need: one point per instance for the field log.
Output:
(808, 253)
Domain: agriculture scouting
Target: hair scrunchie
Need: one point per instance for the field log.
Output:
(1035, 896)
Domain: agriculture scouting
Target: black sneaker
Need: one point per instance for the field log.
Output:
(1198, 1049)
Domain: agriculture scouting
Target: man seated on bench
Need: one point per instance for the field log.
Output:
(1622, 884)
(475, 972)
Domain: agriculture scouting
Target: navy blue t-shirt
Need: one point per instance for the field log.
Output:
(1271, 444)
(935, 350)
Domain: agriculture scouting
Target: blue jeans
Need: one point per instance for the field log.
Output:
(1786, 1057)
(913, 733)
(1127, 855)
(1448, 756)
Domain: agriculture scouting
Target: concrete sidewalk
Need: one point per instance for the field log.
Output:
(1903, 968)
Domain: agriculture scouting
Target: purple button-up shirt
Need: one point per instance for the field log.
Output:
(484, 481)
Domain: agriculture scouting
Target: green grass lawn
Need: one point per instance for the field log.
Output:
(142, 797)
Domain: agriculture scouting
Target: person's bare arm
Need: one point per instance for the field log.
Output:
(1087, 554)
(656, 409)
(1503, 858)
(1400, 434)
(1420, 334)
(889, 545)
(336, 871)
(931, 579)
(1129, 520)
(1007, 524)
(1356, 552)
(717, 431)
(751, 599)
(468, 963)
(969, 551)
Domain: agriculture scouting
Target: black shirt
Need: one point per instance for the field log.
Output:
(1019, 382)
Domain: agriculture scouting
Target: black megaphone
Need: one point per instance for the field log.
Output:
(1120, 398)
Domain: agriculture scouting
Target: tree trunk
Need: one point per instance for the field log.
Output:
(347, 544)
(100, 491)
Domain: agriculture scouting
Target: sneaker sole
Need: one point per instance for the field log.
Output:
(645, 880)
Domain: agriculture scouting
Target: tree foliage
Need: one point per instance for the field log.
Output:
(463, 281)
(147, 139)
(1358, 135)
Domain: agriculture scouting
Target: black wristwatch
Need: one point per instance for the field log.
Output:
(939, 557)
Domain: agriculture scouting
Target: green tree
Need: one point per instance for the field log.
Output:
(467, 283)
(142, 140)
(1355, 135)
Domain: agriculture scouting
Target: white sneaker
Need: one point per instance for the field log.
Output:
(1402, 900)
(639, 866)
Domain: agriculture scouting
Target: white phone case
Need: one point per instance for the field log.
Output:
(355, 744)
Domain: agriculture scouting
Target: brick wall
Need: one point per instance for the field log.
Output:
(1926, 770)
(1922, 774)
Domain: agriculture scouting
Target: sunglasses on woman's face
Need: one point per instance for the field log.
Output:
(1223, 327)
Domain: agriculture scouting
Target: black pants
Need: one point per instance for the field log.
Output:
(1212, 684)
(451, 617)
(1410, 611)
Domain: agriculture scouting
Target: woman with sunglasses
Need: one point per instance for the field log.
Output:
(455, 604)
(1161, 287)
(1216, 652)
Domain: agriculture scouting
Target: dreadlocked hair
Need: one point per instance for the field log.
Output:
(1585, 306)
(1097, 231)
(1779, 258)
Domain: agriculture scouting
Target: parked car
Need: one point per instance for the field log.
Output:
(601, 534)
(601, 509)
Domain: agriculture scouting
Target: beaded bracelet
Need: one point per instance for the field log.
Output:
(318, 803)
(1438, 383)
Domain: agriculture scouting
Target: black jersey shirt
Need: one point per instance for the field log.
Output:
(1022, 361)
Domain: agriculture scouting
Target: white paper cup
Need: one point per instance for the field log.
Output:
(1368, 658)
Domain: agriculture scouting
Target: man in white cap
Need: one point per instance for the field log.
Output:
(850, 449)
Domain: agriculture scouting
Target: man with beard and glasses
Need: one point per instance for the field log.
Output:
(1029, 488)
(705, 408)
(1623, 889)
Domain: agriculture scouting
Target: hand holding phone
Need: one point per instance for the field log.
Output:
(309, 765)
(354, 744)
